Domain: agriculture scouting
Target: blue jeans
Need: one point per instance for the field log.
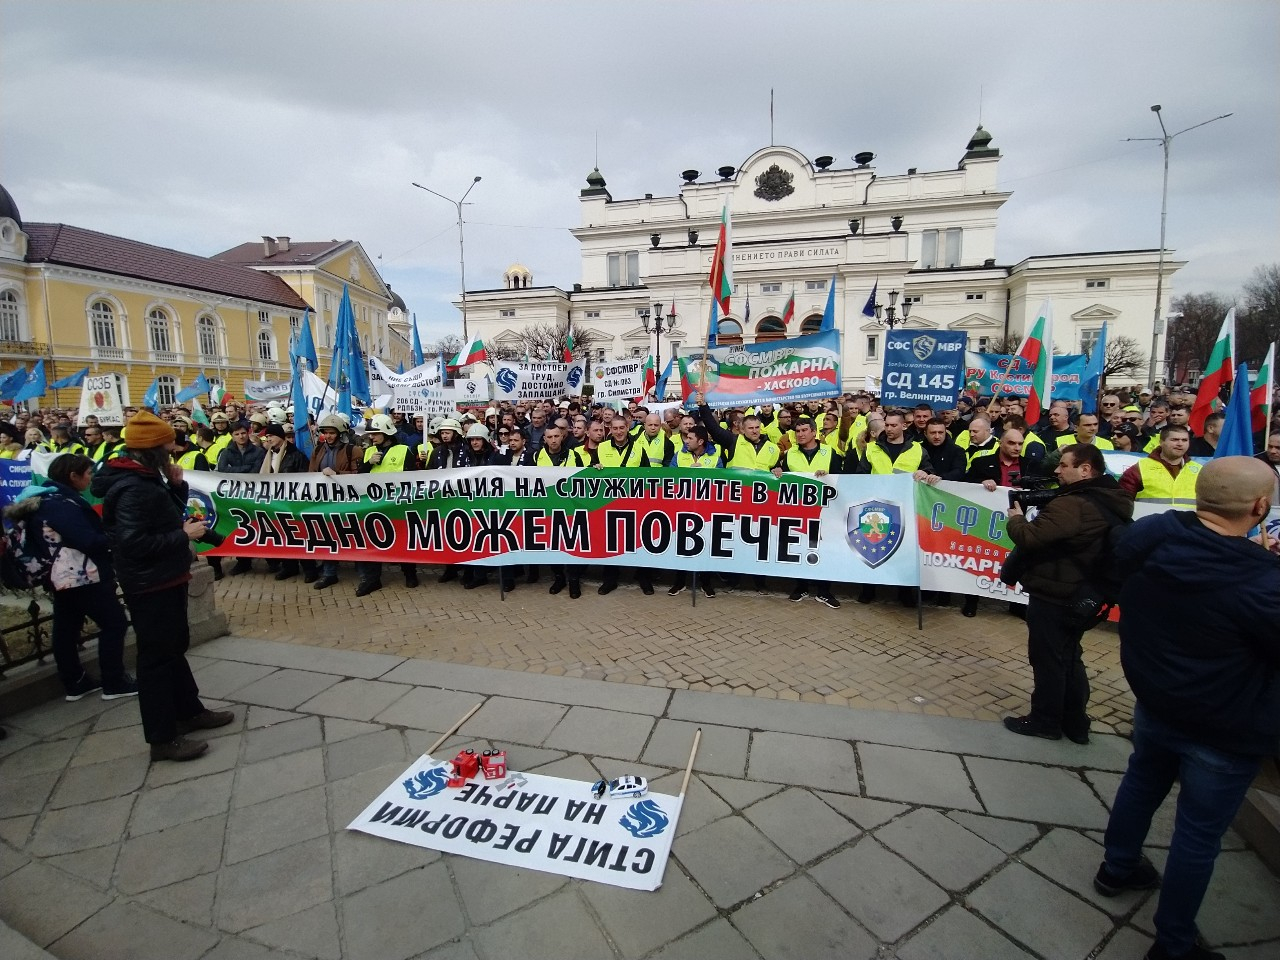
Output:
(1214, 783)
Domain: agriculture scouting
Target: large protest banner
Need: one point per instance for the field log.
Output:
(963, 543)
(537, 381)
(923, 367)
(835, 528)
(779, 371)
(100, 397)
(14, 477)
(618, 380)
(998, 374)
(264, 391)
(529, 820)
(417, 391)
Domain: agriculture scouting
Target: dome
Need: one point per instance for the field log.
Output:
(595, 179)
(980, 139)
(518, 268)
(397, 301)
(9, 209)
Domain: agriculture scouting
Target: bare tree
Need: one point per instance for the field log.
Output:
(1191, 337)
(449, 346)
(1005, 345)
(1123, 356)
(543, 341)
(1260, 324)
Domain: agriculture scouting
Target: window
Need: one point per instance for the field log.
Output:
(264, 316)
(1097, 283)
(975, 296)
(770, 288)
(506, 313)
(770, 328)
(984, 344)
(729, 333)
(103, 323)
(815, 284)
(591, 315)
(166, 390)
(1088, 340)
(812, 324)
(633, 268)
(159, 332)
(929, 249)
(266, 346)
(295, 331)
(207, 338)
(600, 355)
(873, 347)
(10, 329)
(614, 263)
(642, 311)
(216, 383)
(913, 298)
(953, 247)
(295, 323)
(635, 351)
(675, 348)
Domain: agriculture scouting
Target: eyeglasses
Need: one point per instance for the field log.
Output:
(1110, 403)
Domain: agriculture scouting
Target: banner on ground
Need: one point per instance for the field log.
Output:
(264, 391)
(779, 371)
(618, 380)
(855, 528)
(417, 391)
(923, 367)
(537, 381)
(528, 820)
(100, 397)
(999, 374)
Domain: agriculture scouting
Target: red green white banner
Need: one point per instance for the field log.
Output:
(791, 370)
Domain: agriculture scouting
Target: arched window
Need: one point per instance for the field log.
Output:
(207, 338)
(770, 328)
(166, 390)
(10, 327)
(729, 333)
(811, 324)
(266, 346)
(159, 332)
(103, 325)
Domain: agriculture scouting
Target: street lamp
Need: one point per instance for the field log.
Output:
(1164, 140)
(657, 330)
(462, 251)
(890, 313)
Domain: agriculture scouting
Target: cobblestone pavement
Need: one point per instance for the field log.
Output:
(740, 641)
(809, 831)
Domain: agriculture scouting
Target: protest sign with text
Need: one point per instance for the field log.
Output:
(923, 367)
(778, 371)
(100, 397)
(537, 381)
(420, 390)
(264, 391)
(618, 380)
(999, 374)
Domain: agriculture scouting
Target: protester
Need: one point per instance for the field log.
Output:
(385, 454)
(1165, 475)
(144, 502)
(1205, 680)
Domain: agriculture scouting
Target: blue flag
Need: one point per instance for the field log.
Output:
(1093, 374)
(151, 399)
(400, 367)
(12, 381)
(714, 325)
(660, 388)
(869, 308)
(301, 417)
(1236, 439)
(340, 373)
(34, 385)
(444, 370)
(75, 380)
(198, 386)
(305, 347)
(829, 312)
(418, 358)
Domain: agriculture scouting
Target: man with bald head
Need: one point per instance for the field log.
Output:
(1200, 646)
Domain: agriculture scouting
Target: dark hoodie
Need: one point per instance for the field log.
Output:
(1200, 631)
(143, 516)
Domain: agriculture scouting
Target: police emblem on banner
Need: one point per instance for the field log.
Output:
(875, 530)
(200, 507)
(923, 346)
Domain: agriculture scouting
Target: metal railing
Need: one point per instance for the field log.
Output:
(29, 639)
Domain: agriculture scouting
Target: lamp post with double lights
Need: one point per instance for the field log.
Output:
(888, 316)
(462, 251)
(657, 329)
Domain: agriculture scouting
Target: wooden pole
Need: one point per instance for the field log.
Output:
(450, 732)
(697, 738)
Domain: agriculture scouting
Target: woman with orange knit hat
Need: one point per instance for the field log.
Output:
(144, 502)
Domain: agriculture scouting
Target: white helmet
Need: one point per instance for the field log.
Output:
(334, 422)
(448, 423)
(274, 404)
(477, 431)
(276, 415)
(383, 424)
(434, 426)
(346, 420)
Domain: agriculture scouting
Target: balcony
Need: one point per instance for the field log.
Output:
(165, 356)
(109, 353)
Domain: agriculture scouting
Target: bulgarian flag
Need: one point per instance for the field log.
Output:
(789, 311)
(197, 412)
(722, 265)
(650, 377)
(1218, 372)
(1036, 355)
(218, 396)
(1264, 391)
(568, 347)
(469, 355)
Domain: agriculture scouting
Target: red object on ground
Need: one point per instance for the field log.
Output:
(494, 764)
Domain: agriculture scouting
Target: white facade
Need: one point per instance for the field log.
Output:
(815, 224)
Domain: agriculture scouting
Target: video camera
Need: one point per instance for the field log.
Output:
(1031, 491)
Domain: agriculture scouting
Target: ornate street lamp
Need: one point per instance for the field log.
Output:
(888, 316)
(657, 329)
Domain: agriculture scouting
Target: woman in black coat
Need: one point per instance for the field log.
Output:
(144, 510)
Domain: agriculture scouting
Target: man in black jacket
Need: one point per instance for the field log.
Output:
(1057, 550)
(1205, 679)
(947, 461)
(281, 456)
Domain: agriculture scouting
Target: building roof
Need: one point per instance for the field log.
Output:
(7, 207)
(307, 253)
(76, 247)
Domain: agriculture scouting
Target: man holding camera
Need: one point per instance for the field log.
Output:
(1058, 550)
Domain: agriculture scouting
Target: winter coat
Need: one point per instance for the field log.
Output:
(142, 513)
(292, 460)
(346, 458)
(1200, 631)
(234, 460)
(1065, 541)
(72, 532)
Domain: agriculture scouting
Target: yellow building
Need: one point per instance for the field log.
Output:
(77, 297)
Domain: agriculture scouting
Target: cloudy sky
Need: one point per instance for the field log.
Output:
(200, 125)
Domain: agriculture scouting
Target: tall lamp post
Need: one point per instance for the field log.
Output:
(1164, 140)
(657, 330)
(888, 316)
(462, 251)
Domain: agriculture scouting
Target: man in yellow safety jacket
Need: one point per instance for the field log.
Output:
(555, 454)
(697, 453)
(385, 454)
(622, 450)
(809, 456)
(1165, 476)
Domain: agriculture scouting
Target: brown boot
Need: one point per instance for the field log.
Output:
(178, 749)
(206, 721)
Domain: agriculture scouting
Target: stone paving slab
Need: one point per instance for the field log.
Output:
(344, 663)
(796, 840)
